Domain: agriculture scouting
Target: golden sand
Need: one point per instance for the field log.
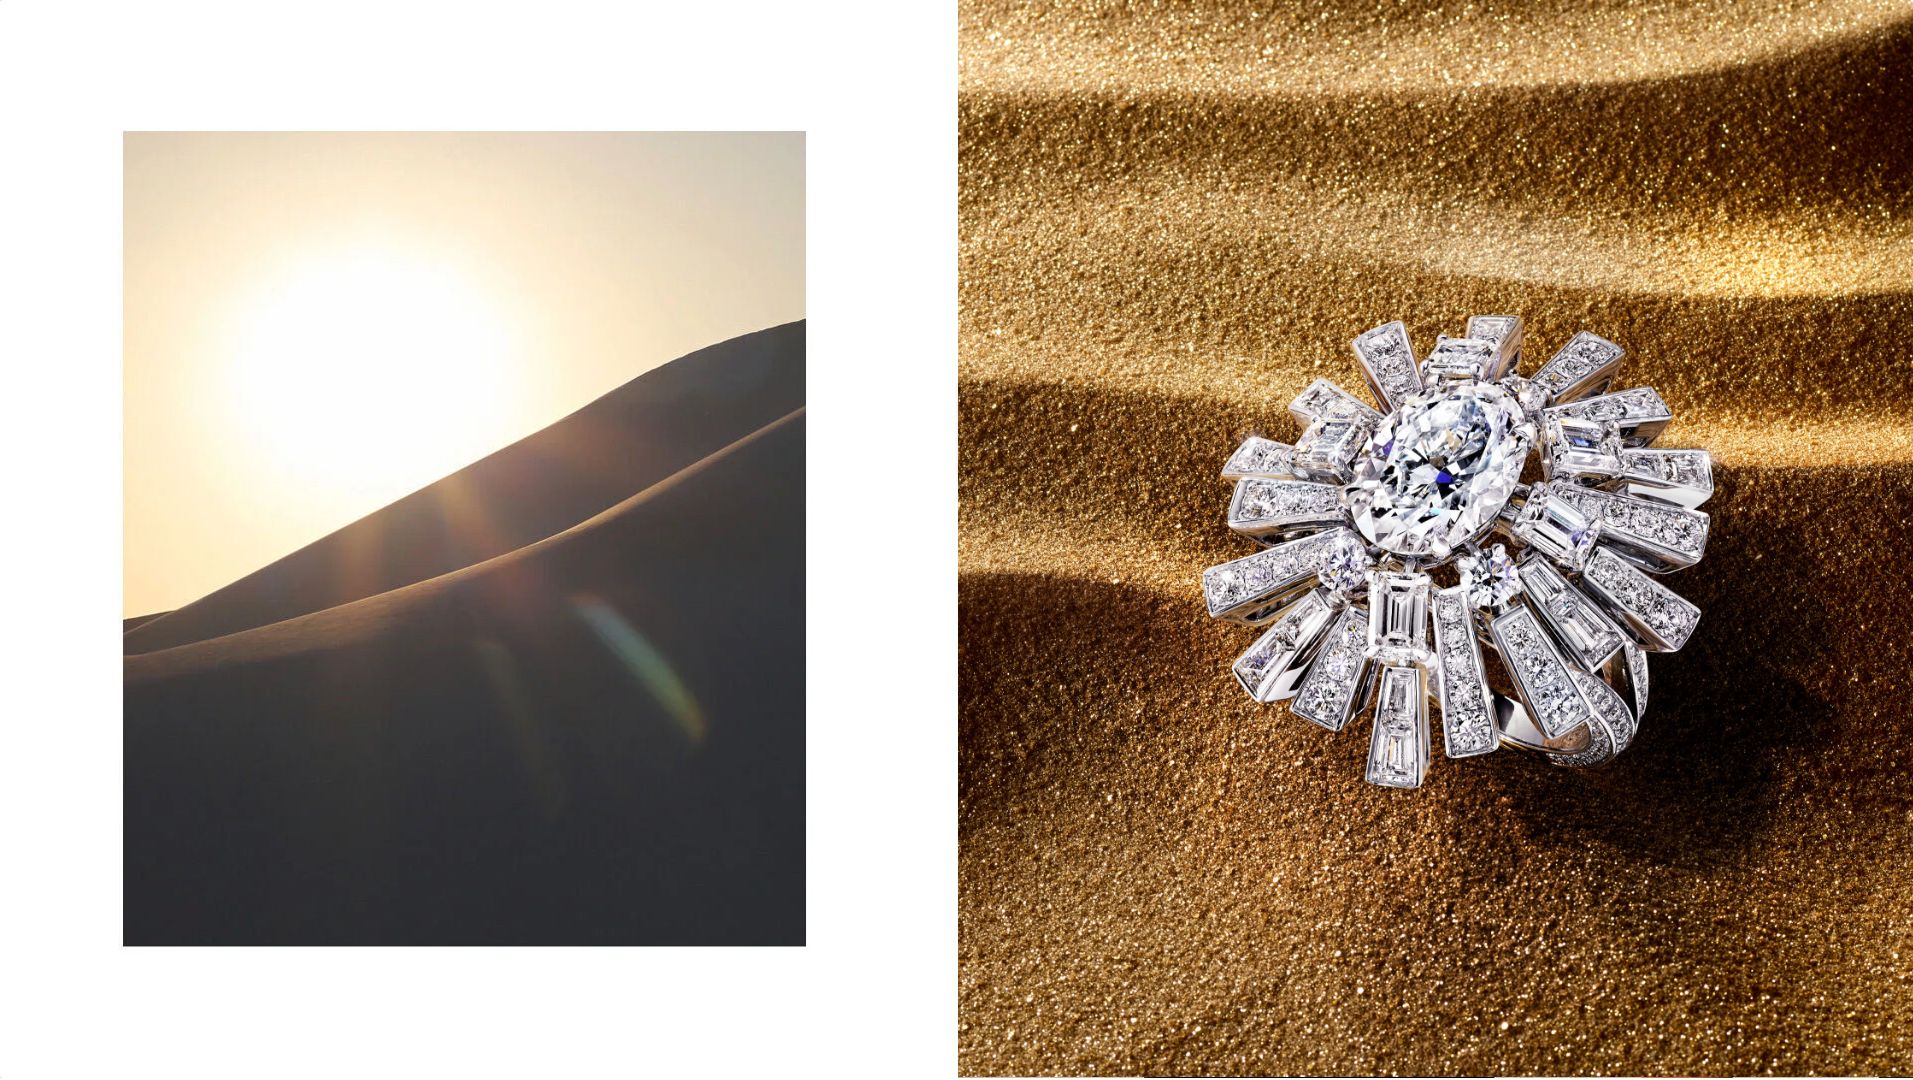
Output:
(1172, 221)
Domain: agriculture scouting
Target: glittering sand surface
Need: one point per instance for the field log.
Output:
(1172, 220)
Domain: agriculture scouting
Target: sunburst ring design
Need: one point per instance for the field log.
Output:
(1488, 542)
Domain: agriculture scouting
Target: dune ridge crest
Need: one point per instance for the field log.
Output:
(636, 435)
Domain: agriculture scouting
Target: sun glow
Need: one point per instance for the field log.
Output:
(369, 373)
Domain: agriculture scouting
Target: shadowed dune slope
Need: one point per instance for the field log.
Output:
(595, 737)
(1173, 218)
(640, 433)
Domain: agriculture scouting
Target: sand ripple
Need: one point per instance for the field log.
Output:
(1331, 50)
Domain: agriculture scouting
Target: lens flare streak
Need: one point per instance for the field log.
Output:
(645, 663)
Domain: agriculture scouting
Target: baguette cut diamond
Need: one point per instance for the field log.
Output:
(1505, 332)
(1437, 472)
(1637, 415)
(1324, 450)
(1272, 668)
(1589, 636)
(1683, 478)
(1398, 617)
(1398, 744)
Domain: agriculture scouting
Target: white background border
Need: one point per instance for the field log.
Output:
(875, 989)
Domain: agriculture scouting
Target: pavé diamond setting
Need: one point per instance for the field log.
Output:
(1476, 510)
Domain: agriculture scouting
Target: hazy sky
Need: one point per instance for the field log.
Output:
(318, 324)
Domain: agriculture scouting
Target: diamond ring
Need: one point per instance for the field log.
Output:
(1543, 596)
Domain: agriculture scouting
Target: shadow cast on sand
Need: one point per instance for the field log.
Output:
(1725, 715)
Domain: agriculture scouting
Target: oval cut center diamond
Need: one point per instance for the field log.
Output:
(1438, 470)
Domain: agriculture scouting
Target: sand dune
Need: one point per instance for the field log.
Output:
(590, 730)
(1165, 234)
(663, 421)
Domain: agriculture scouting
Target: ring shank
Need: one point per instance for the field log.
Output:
(1580, 747)
(1518, 729)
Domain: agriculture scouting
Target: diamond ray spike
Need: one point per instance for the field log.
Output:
(1683, 478)
(1467, 707)
(1660, 619)
(1398, 742)
(1272, 667)
(1252, 589)
(1271, 507)
(1388, 363)
(1541, 675)
(1332, 688)
(1585, 365)
(1324, 400)
(1505, 332)
(1654, 536)
(1638, 415)
(1588, 636)
(1261, 457)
